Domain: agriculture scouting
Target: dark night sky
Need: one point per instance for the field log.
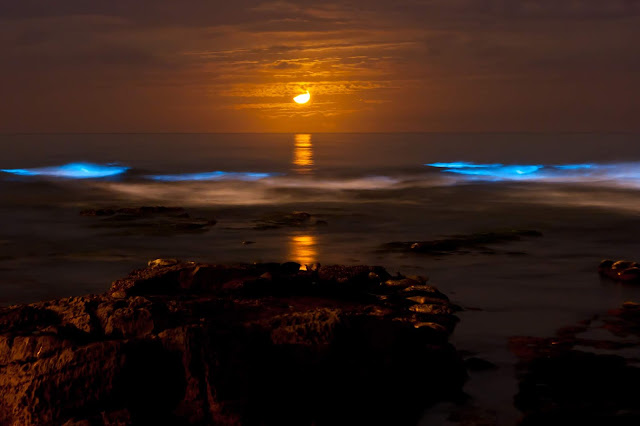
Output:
(370, 65)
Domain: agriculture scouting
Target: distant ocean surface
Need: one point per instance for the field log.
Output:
(582, 191)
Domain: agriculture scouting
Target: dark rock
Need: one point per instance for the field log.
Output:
(462, 243)
(402, 283)
(620, 270)
(136, 211)
(289, 268)
(159, 263)
(288, 220)
(187, 343)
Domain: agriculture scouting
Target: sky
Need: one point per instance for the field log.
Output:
(370, 66)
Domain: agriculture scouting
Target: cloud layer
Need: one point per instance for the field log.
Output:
(413, 65)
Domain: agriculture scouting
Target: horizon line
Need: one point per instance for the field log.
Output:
(566, 132)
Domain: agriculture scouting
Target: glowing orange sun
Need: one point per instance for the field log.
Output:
(302, 99)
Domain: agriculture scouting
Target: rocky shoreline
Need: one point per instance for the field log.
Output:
(187, 343)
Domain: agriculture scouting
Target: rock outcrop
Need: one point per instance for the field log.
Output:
(186, 343)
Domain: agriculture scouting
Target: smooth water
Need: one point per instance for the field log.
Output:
(581, 190)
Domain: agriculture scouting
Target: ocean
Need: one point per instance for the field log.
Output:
(581, 191)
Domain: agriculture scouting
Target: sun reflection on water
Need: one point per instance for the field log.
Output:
(302, 249)
(303, 154)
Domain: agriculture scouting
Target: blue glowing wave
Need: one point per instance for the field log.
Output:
(497, 172)
(575, 166)
(209, 176)
(462, 165)
(72, 171)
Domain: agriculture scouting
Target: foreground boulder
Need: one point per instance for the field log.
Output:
(186, 343)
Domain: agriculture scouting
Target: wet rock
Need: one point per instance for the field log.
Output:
(426, 291)
(620, 270)
(136, 211)
(426, 300)
(159, 263)
(186, 343)
(432, 309)
(605, 265)
(462, 243)
(288, 220)
(401, 283)
(431, 325)
(267, 276)
(629, 274)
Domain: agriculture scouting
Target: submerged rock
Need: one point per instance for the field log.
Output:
(187, 343)
(462, 243)
(149, 220)
(136, 211)
(288, 220)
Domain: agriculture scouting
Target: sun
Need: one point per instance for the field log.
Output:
(302, 99)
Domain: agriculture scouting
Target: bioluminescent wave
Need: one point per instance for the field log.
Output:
(211, 176)
(491, 172)
(72, 171)
(462, 165)
(558, 172)
(623, 174)
(576, 166)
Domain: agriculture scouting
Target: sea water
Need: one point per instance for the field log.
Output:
(582, 191)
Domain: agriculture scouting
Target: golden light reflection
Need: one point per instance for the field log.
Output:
(303, 154)
(302, 249)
